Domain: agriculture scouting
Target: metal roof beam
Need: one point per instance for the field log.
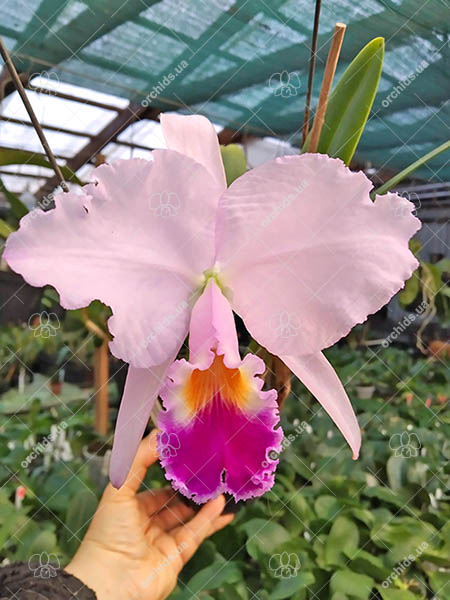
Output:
(48, 127)
(109, 133)
(72, 98)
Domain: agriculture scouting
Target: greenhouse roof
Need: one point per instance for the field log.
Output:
(228, 59)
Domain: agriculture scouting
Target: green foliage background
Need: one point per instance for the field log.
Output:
(339, 527)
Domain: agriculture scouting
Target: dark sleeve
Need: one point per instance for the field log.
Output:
(23, 581)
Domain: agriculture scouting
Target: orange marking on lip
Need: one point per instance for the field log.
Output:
(217, 381)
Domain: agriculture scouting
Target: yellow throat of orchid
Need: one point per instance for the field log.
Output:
(218, 381)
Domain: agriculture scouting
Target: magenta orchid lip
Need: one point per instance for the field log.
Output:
(219, 427)
(295, 247)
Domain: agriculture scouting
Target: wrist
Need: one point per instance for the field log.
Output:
(90, 569)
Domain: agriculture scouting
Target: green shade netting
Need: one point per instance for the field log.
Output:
(223, 58)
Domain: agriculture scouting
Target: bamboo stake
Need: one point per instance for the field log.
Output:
(312, 65)
(328, 76)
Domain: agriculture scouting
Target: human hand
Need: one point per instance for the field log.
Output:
(137, 543)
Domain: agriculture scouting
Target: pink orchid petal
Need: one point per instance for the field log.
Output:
(212, 326)
(218, 427)
(196, 137)
(138, 240)
(306, 252)
(141, 390)
(316, 373)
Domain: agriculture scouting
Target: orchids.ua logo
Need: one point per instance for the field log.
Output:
(44, 565)
(405, 444)
(404, 323)
(164, 204)
(169, 444)
(285, 84)
(44, 324)
(286, 324)
(406, 562)
(284, 565)
(163, 83)
(404, 84)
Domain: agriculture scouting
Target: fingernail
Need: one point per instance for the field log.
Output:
(153, 438)
(218, 504)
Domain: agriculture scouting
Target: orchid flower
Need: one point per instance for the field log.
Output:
(295, 247)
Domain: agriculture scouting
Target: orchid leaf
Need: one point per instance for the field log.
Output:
(287, 587)
(234, 162)
(353, 584)
(23, 157)
(410, 291)
(408, 170)
(5, 229)
(343, 537)
(393, 594)
(350, 102)
(18, 208)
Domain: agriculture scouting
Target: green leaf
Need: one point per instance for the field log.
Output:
(386, 495)
(234, 162)
(397, 472)
(404, 536)
(214, 576)
(5, 229)
(443, 265)
(368, 564)
(287, 587)
(392, 594)
(45, 541)
(350, 102)
(351, 584)
(408, 170)
(79, 514)
(18, 208)
(363, 515)
(327, 507)
(410, 291)
(343, 537)
(301, 508)
(440, 584)
(23, 157)
(264, 536)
